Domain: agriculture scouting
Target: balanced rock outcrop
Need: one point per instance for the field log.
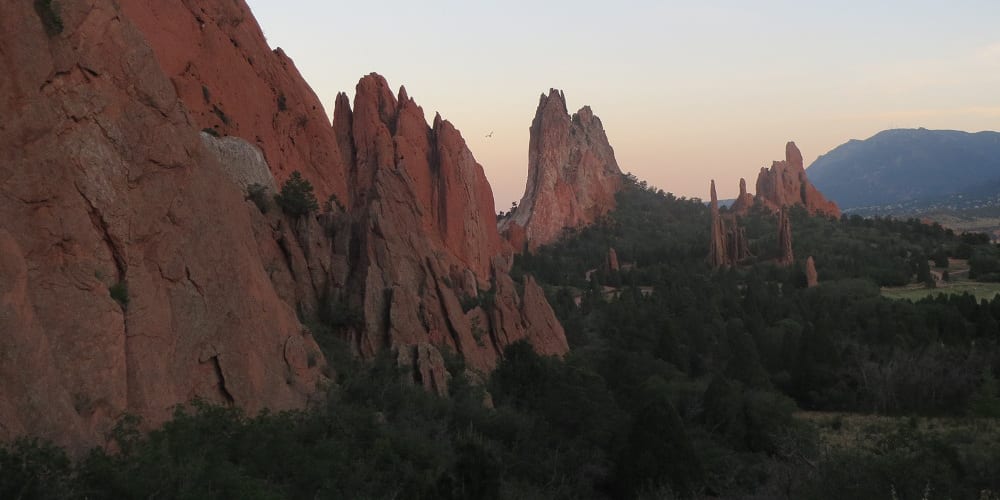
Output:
(137, 274)
(573, 175)
(785, 185)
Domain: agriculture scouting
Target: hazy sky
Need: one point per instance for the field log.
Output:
(687, 91)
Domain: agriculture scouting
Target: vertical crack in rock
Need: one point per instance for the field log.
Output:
(101, 225)
(222, 381)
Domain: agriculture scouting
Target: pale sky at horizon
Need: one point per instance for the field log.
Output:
(687, 91)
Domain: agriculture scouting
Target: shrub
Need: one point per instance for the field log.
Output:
(333, 201)
(296, 197)
(210, 131)
(119, 292)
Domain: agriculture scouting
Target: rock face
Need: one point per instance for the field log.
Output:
(785, 254)
(134, 273)
(230, 81)
(572, 175)
(812, 279)
(130, 279)
(784, 185)
(424, 240)
(717, 245)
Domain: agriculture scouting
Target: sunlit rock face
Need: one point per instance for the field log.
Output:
(135, 273)
(572, 175)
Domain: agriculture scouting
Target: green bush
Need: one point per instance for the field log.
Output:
(296, 197)
(119, 292)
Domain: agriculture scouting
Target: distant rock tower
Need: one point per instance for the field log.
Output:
(728, 244)
(785, 254)
(717, 245)
(612, 261)
(783, 185)
(812, 279)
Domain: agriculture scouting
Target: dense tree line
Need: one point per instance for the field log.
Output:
(682, 381)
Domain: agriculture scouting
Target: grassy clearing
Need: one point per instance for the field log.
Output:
(959, 283)
(860, 432)
(916, 292)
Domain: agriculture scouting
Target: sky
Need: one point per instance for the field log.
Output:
(687, 91)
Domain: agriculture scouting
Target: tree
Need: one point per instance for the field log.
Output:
(296, 197)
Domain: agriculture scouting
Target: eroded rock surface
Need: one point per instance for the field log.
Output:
(131, 280)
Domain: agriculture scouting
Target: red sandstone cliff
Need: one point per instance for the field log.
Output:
(572, 175)
(784, 185)
(106, 180)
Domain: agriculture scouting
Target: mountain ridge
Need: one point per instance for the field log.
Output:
(900, 165)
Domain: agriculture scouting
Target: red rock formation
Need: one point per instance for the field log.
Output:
(612, 261)
(717, 245)
(744, 201)
(231, 81)
(737, 246)
(812, 279)
(785, 254)
(572, 174)
(424, 213)
(785, 184)
(105, 182)
(728, 245)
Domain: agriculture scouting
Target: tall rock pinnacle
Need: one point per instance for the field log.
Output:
(744, 201)
(728, 245)
(572, 175)
(785, 254)
(717, 245)
(812, 278)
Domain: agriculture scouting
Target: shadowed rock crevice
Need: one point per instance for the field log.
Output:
(223, 391)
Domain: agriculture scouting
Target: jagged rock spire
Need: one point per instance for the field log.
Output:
(812, 279)
(572, 175)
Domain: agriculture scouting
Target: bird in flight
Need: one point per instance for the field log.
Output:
(489, 135)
